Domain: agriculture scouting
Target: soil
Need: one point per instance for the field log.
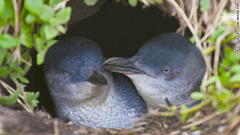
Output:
(17, 122)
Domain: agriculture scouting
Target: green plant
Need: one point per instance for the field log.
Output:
(34, 25)
(218, 90)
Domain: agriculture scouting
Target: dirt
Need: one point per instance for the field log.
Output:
(17, 122)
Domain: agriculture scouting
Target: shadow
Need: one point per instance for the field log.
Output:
(120, 30)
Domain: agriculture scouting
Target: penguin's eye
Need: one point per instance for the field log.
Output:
(168, 73)
(66, 73)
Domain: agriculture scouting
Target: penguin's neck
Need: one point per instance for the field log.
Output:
(105, 110)
(107, 93)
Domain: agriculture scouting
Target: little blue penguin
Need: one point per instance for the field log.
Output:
(165, 70)
(84, 92)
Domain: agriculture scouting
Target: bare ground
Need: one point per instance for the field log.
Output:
(16, 122)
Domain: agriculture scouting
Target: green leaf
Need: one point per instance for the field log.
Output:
(40, 58)
(7, 41)
(221, 95)
(133, 3)
(9, 101)
(152, 2)
(159, 1)
(2, 5)
(63, 15)
(235, 78)
(173, 108)
(18, 71)
(184, 115)
(23, 14)
(53, 3)
(192, 39)
(235, 68)
(194, 128)
(4, 71)
(197, 95)
(36, 95)
(26, 35)
(39, 43)
(209, 50)
(61, 29)
(204, 4)
(219, 31)
(30, 18)
(224, 78)
(90, 2)
(8, 13)
(31, 96)
(34, 103)
(55, 22)
(49, 44)
(35, 7)
(210, 81)
(229, 38)
(47, 13)
(230, 56)
(224, 105)
(3, 53)
(23, 79)
(26, 28)
(49, 31)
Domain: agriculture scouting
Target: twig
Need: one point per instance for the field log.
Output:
(26, 62)
(61, 5)
(206, 36)
(6, 28)
(196, 107)
(200, 121)
(11, 91)
(217, 51)
(17, 54)
(189, 102)
(182, 5)
(218, 11)
(16, 22)
(56, 131)
(197, 21)
(192, 10)
(145, 3)
(232, 125)
(173, 2)
(19, 5)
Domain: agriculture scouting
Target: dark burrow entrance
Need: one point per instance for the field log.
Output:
(120, 30)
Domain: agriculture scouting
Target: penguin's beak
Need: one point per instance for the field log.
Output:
(99, 78)
(126, 66)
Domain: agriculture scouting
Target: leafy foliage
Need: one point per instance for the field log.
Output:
(11, 100)
(217, 90)
(133, 3)
(204, 4)
(34, 26)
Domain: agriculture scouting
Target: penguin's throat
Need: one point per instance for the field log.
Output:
(98, 99)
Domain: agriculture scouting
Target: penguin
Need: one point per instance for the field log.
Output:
(86, 94)
(165, 70)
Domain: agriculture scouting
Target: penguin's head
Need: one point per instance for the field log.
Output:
(167, 68)
(74, 71)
